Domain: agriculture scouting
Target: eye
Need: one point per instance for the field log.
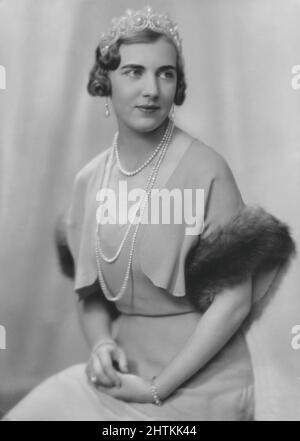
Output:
(167, 74)
(134, 72)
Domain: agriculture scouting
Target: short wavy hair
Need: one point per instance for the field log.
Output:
(99, 82)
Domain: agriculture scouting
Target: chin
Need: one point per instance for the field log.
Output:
(148, 124)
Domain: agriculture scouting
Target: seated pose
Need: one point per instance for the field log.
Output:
(168, 261)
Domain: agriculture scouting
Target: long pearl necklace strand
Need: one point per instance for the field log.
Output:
(119, 250)
(149, 187)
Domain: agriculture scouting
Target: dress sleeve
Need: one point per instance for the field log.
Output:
(67, 230)
(202, 169)
(74, 216)
(75, 230)
(238, 242)
(223, 199)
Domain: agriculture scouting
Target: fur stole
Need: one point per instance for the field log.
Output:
(252, 241)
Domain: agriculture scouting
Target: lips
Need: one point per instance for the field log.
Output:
(148, 108)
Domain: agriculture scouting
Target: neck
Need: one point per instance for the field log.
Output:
(134, 147)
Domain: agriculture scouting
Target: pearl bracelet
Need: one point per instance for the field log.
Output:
(156, 398)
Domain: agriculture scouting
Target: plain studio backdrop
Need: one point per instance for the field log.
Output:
(239, 56)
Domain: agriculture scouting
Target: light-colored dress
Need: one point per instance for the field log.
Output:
(156, 318)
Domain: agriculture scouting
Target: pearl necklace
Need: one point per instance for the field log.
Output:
(104, 185)
(151, 157)
(150, 184)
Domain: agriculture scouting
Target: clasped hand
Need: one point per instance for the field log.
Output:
(107, 370)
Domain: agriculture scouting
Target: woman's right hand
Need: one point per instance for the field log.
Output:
(105, 361)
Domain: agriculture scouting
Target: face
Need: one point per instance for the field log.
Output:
(144, 84)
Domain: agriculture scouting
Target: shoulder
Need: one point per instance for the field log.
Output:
(83, 178)
(202, 159)
(85, 173)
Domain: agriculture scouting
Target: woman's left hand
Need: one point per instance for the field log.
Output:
(133, 388)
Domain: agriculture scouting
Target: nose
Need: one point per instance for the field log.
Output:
(150, 86)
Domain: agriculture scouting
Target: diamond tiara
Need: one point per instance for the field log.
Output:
(135, 21)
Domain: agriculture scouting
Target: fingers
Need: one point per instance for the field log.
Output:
(101, 370)
(120, 357)
(90, 373)
(96, 370)
(105, 357)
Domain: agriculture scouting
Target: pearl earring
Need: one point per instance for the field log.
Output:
(107, 111)
(172, 113)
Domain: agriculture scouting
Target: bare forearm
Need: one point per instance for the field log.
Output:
(95, 318)
(214, 329)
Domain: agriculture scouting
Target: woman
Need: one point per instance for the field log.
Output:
(162, 304)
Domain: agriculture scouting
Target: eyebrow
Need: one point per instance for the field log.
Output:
(139, 66)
